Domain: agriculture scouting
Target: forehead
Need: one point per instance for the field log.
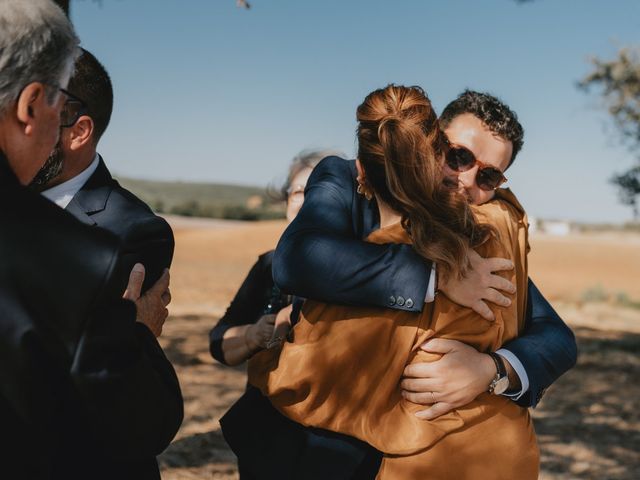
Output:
(470, 132)
(301, 177)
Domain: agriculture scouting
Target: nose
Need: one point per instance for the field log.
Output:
(468, 179)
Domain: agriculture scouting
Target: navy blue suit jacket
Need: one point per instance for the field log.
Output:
(321, 255)
(144, 236)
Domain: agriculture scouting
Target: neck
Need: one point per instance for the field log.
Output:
(388, 216)
(8, 169)
(73, 166)
(3, 141)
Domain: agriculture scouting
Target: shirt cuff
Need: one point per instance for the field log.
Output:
(520, 371)
(215, 340)
(431, 287)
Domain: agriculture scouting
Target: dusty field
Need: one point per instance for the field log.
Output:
(212, 259)
(565, 267)
(588, 424)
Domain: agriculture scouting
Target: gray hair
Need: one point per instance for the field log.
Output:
(305, 159)
(37, 44)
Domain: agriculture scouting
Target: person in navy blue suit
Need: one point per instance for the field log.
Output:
(76, 178)
(322, 255)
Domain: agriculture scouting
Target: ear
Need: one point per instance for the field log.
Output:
(30, 101)
(362, 178)
(81, 132)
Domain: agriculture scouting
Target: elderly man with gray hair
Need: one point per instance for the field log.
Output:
(85, 389)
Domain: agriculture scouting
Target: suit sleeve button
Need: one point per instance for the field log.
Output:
(408, 303)
(400, 301)
(392, 300)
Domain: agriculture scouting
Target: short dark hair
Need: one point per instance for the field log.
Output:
(495, 114)
(91, 83)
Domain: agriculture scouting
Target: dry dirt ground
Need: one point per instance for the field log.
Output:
(588, 424)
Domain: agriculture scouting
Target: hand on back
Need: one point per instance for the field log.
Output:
(152, 305)
(456, 379)
(270, 330)
(258, 335)
(480, 285)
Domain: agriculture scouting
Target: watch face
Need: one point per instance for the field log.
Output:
(501, 386)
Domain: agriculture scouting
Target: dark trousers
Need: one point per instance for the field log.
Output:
(269, 446)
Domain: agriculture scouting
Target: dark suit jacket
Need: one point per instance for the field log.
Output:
(84, 388)
(321, 255)
(146, 237)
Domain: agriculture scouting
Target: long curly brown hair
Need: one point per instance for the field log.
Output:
(401, 149)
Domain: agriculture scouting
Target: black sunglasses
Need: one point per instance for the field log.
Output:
(72, 110)
(462, 159)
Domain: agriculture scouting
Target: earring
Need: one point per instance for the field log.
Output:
(362, 190)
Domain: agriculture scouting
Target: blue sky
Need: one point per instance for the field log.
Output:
(205, 91)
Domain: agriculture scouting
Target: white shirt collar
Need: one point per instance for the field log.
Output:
(62, 194)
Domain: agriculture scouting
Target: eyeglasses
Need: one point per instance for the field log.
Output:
(462, 159)
(72, 110)
(295, 194)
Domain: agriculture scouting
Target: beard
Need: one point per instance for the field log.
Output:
(51, 169)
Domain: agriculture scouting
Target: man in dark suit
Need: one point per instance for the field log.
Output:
(85, 390)
(322, 255)
(84, 186)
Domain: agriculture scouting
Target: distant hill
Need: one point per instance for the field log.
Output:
(213, 200)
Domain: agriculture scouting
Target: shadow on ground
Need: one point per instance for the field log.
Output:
(197, 450)
(588, 424)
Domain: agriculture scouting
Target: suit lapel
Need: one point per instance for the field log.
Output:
(93, 196)
(77, 210)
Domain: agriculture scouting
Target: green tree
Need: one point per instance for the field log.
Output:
(618, 82)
